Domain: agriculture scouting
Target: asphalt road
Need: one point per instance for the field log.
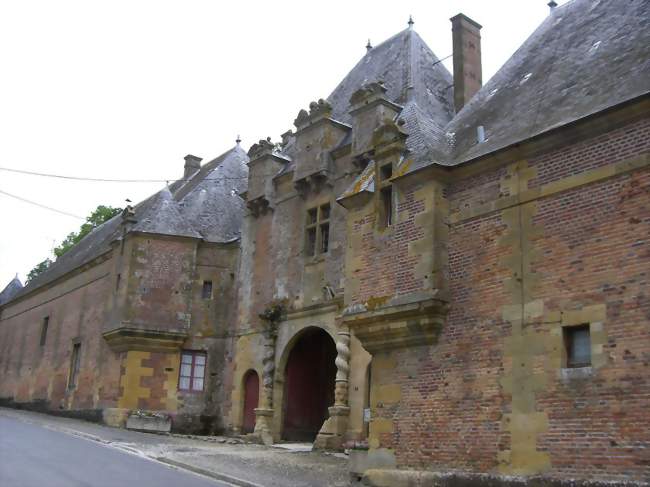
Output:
(33, 456)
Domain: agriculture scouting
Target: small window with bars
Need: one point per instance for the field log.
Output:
(317, 230)
(192, 372)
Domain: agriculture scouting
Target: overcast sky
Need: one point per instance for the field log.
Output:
(125, 89)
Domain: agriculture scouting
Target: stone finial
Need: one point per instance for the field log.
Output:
(368, 46)
(238, 139)
(319, 109)
(368, 90)
(410, 22)
(262, 147)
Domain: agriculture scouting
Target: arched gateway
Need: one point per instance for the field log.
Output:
(309, 385)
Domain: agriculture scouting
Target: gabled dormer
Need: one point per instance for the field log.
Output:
(265, 162)
(317, 134)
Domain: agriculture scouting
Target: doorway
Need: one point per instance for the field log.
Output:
(251, 400)
(309, 385)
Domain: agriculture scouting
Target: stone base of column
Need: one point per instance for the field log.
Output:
(262, 432)
(331, 435)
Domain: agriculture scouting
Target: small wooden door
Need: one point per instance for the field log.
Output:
(251, 398)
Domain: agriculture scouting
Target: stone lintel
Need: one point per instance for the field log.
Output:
(125, 338)
(397, 325)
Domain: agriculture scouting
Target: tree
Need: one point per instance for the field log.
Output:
(40, 268)
(100, 215)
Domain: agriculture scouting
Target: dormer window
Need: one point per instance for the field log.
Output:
(385, 196)
(317, 230)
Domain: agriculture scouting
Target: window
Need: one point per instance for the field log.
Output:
(192, 371)
(206, 293)
(385, 196)
(577, 342)
(74, 366)
(44, 325)
(317, 230)
(117, 282)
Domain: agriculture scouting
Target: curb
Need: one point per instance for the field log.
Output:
(217, 476)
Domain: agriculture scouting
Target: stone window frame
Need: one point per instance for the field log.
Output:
(194, 354)
(595, 317)
(317, 225)
(385, 195)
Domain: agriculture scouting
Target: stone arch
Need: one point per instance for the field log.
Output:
(305, 379)
(250, 399)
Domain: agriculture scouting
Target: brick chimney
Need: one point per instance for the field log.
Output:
(468, 79)
(192, 164)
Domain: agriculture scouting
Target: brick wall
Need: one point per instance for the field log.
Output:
(491, 396)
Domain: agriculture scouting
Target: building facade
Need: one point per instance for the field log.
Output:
(452, 274)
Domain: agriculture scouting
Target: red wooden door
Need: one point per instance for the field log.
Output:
(251, 398)
(310, 376)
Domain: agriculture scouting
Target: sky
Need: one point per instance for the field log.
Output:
(125, 89)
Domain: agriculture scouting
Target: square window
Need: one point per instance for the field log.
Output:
(312, 216)
(386, 172)
(192, 373)
(206, 293)
(325, 212)
(577, 342)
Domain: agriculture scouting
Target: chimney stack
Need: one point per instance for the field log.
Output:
(468, 79)
(192, 164)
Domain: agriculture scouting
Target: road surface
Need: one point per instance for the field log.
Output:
(34, 456)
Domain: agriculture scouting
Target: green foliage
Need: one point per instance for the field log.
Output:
(41, 267)
(100, 215)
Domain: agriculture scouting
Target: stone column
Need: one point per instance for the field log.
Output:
(264, 413)
(332, 433)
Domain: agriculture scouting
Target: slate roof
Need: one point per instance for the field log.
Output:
(411, 72)
(207, 207)
(588, 55)
(10, 290)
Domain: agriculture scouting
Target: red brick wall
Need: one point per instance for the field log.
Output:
(589, 246)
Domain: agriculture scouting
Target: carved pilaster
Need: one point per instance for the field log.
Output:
(332, 433)
(342, 366)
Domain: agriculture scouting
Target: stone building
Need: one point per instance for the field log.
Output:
(455, 273)
(127, 319)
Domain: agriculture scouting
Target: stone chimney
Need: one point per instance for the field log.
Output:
(468, 79)
(192, 164)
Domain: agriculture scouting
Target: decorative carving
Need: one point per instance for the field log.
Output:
(388, 132)
(374, 89)
(342, 366)
(261, 148)
(314, 182)
(317, 110)
(258, 206)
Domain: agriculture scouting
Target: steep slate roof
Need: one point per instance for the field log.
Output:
(586, 56)
(411, 72)
(10, 290)
(207, 207)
